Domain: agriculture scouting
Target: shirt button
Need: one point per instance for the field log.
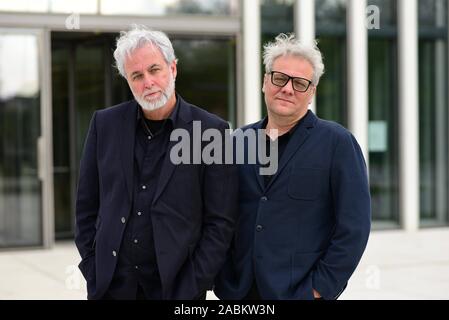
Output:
(259, 228)
(114, 253)
(149, 137)
(139, 213)
(264, 198)
(135, 240)
(123, 220)
(136, 267)
(144, 187)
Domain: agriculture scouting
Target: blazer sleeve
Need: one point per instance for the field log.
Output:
(352, 209)
(220, 189)
(87, 200)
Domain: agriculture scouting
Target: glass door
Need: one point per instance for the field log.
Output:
(21, 181)
(83, 80)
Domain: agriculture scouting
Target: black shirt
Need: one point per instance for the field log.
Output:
(283, 141)
(137, 273)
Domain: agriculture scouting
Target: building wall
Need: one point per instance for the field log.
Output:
(386, 81)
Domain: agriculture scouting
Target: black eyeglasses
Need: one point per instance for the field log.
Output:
(280, 79)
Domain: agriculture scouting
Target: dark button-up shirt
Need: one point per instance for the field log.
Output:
(137, 263)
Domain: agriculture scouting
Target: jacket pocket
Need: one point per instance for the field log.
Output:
(307, 183)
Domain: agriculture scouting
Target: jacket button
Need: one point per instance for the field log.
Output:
(114, 253)
(259, 228)
(123, 220)
(264, 198)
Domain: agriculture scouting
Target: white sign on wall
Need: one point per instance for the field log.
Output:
(377, 136)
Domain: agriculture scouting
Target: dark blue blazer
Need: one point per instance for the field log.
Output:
(309, 226)
(193, 211)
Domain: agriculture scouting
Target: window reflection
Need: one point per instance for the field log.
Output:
(206, 74)
(387, 12)
(383, 115)
(130, 7)
(330, 20)
(163, 7)
(24, 5)
(277, 17)
(18, 66)
(433, 113)
(70, 6)
(330, 16)
(20, 191)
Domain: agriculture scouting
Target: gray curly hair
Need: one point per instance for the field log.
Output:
(138, 37)
(287, 44)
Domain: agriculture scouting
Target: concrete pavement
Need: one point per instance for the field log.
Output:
(396, 265)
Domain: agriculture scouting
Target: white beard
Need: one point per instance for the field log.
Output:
(154, 105)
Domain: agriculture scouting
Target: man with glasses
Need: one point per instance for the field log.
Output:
(302, 231)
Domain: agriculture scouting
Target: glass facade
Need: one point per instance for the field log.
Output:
(168, 7)
(24, 5)
(132, 7)
(383, 115)
(207, 74)
(331, 101)
(276, 17)
(20, 186)
(433, 112)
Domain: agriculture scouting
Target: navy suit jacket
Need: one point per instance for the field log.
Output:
(192, 212)
(309, 226)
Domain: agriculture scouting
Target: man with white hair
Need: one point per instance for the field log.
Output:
(302, 231)
(145, 227)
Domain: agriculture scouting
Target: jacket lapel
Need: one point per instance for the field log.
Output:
(256, 166)
(296, 141)
(183, 122)
(127, 136)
